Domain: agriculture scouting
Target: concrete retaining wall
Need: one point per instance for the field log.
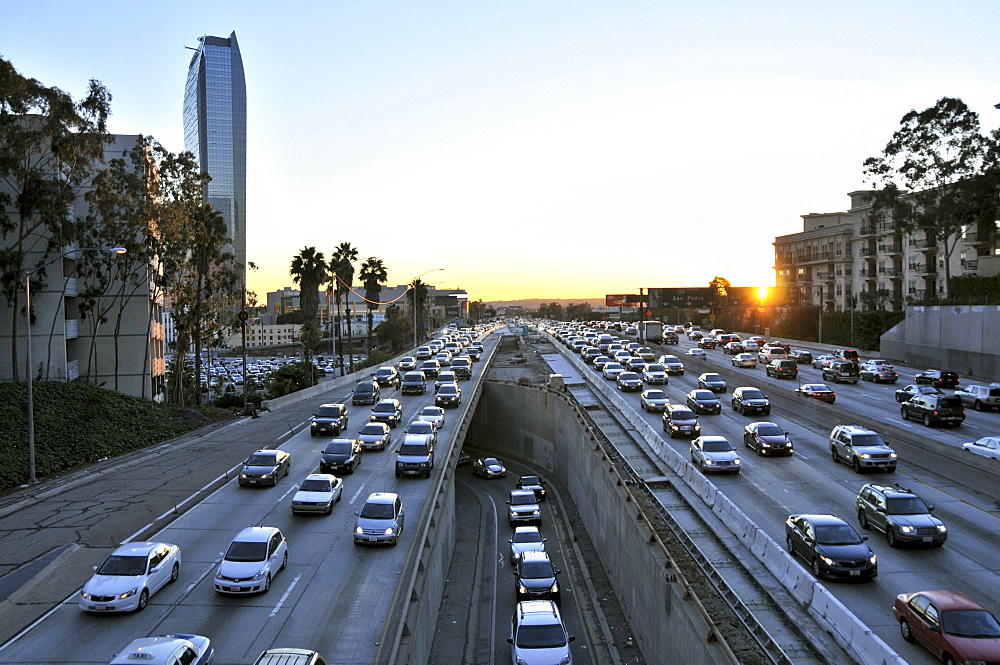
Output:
(961, 339)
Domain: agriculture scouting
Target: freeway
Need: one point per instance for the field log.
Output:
(769, 489)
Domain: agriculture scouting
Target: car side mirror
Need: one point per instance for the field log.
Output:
(864, 538)
(930, 507)
(510, 640)
(808, 541)
(934, 629)
(572, 638)
(880, 509)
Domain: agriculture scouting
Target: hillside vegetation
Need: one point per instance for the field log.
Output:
(76, 424)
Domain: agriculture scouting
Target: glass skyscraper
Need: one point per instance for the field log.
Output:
(215, 130)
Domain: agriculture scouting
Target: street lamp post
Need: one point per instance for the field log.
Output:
(413, 287)
(32, 478)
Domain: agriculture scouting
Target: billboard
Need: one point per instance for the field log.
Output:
(708, 296)
(619, 300)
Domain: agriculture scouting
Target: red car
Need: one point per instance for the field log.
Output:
(952, 626)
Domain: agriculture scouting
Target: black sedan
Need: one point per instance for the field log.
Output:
(767, 439)
(910, 391)
(533, 483)
(264, 467)
(830, 546)
(489, 467)
(703, 401)
(629, 382)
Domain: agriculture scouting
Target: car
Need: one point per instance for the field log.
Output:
(415, 455)
(635, 365)
(522, 508)
(712, 381)
(819, 391)
(862, 448)
(703, 401)
(679, 420)
(388, 411)
(340, 455)
(424, 352)
(329, 418)
(380, 520)
(365, 392)
(988, 446)
(462, 367)
(671, 364)
(420, 426)
(842, 371)
(714, 453)
(907, 393)
(655, 374)
(697, 353)
(830, 546)
(256, 554)
(646, 354)
(819, 362)
(600, 361)
(802, 356)
(407, 364)
(767, 439)
(629, 382)
(443, 377)
(981, 398)
(290, 656)
(533, 483)
(695, 335)
(653, 400)
(937, 378)
(430, 368)
(129, 576)
(414, 383)
(535, 577)
(169, 649)
(950, 625)
(525, 539)
(265, 467)
(317, 494)
(475, 354)
(611, 370)
(782, 368)
(751, 345)
(847, 354)
(747, 400)
(434, 414)
(489, 467)
(733, 348)
(537, 634)
(448, 395)
(931, 409)
(900, 514)
(670, 338)
(375, 436)
(443, 358)
(387, 376)
(744, 360)
(878, 372)
(707, 343)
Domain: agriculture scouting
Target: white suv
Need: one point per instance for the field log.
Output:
(981, 398)
(537, 634)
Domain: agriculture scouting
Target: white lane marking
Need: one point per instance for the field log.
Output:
(284, 597)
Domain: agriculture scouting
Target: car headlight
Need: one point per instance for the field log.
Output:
(554, 588)
(260, 574)
(737, 462)
(864, 456)
(873, 559)
(709, 462)
(388, 531)
(675, 427)
(907, 529)
(265, 475)
(243, 475)
(130, 592)
(359, 531)
(535, 513)
(218, 573)
(84, 594)
(893, 455)
(521, 589)
(828, 561)
(942, 528)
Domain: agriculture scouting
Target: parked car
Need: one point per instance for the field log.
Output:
(317, 494)
(988, 446)
(830, 546)
(937, 378)
(712, 381)
(907, 393)
(679, 420)
(950, 625)
(931, 409)
(767, 439)
(380, 520)
(653, 400)
(819, 391)
(714, 453)
(489, 467)
(328, 419)
(747, 400)
(900, 514)
(129, 576)
(265, 467)
(256, 554)
(703, 401)
(862, 448)
(981, 398)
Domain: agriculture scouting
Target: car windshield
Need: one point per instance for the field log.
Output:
(713, 377)
(970, 623)
(656, 394)
(654, 368)
(240, 551)
(522, 500)
(769, 430)
(541, 636)
(864, 440)
(905, 505)
(420, 427)
(491, 461)
(536, 569)
(430, 411)
(384, 372)
(526, 537)
(339, 448)
(704, 396)
(328, 412)
(377, 511)
(530, 480)
(753, 394)
(836, 534)
(447, 390)
(682, 414)
(413, 449)
(385, 408)
(711, 446)
(123, 565)
(373, 429)
(261, 460)
(315, 485)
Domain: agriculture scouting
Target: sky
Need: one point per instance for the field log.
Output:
(534, 149)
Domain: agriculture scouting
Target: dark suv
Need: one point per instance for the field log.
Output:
(679, 420)
(784, 368)
(900, 514)
(388, 411)
(747, 400)
(330, 418)
(387, 376)
(535, 578)
(932, 409)
(842, 371)
(366, 392)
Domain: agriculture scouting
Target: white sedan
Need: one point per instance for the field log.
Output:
(318, 493)
(988, 446)
(127, 578)
(434, 414)
(697, 353)
(744, 360)
(612, 370)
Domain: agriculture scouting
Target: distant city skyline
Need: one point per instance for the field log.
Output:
(551, 149)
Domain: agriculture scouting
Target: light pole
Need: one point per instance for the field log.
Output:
(32, 478)
(413, 287)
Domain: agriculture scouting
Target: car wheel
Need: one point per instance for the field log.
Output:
(143, 600)
(267, 584)
(174, 573)
(329, 509)
(890, 535)
(927, 420)
(902, 413)
(789, 546)
(760, 451)
(836, 457)
(863, 520)
(856, 465)
(978, 406)
(815, 568)
(904, 630)
(947, 659)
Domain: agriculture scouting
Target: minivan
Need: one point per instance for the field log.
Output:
(366, 392)
(415, 456)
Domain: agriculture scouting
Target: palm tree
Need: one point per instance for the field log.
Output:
(342, 278)
(418, 298)
(309, 271)
(373, 275)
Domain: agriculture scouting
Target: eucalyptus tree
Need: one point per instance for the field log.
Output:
(342, 276)
(373, 275)
(309, 271)
(49, 147)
